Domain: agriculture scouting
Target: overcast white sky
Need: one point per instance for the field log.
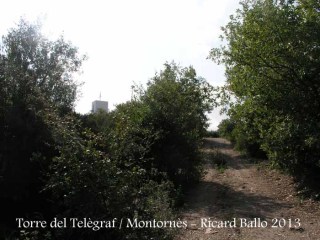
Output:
(129, 40)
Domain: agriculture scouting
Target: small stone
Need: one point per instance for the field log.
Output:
(192, 226)
(299, 229)
(210, 231)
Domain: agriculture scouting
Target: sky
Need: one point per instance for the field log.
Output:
(128, 41)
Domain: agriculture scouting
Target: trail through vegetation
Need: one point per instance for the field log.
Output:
(242, 189)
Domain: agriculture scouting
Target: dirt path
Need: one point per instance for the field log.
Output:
(246, 192)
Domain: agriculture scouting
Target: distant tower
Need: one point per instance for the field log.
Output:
(98, 104)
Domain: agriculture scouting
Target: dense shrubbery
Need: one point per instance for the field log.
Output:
(226, 128)
(212, 134)
(177, 101)
(272, 61)
(87, 181)
(35, 83)
(243, 135)
(131, 163)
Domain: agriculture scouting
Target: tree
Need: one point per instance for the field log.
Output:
(272, 69)
(36, 79)
(129, 163)
(135, 160)
(40, 68)
(159, 132)
(178, 101)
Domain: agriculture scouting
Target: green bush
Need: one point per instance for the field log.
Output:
(272, 69)
(178, 101)
(134, 162)
(212, 134)
(36, 81)
(226, 128)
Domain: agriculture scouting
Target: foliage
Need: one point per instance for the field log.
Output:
(87, 182)
(218, 160)
(98, 122)
(161, 128)
(212, 134)
(242, 131)
(133, 161)
(36, 79)
(178, 101)
(130, 163)
(225, 129)
(272, 69)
